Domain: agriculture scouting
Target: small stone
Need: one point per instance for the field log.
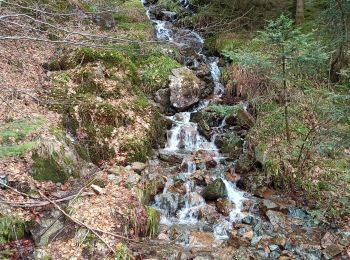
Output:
(138, 166)
(163, 236)
(248, 220)
(273, 247)
(255, 240)
(133, 179)
(97, 189)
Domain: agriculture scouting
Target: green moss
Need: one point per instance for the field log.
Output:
(18, 130)
(47, 169)
(11, 229)
(153, 220)
(16, 149)
(137, 150)
(157, 69)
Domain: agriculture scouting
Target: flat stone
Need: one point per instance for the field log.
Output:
(50, 225)
(138, 166)
(201, 239)
(332, 251)
(328, 239)
(97, 189)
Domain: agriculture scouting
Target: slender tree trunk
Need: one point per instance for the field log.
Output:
(285, 101)
(299, 11)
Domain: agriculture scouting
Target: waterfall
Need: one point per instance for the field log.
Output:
(184, 137)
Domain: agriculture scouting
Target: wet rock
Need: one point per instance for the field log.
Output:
(138, 166)
(332, 250)
(198, 177)
(249, 220)
(206, 120)
(188, 134)
(208, 213)
(178, 187)
(214, 190)
(201, 239)
(225, 206)
(244, 164)
(171, 202)
(204, 71)
(50, 225)
(185, 88)
(205, 158)
(171, 156)
(277, 219)
(168, 16)
(195, 199)
(232, 177)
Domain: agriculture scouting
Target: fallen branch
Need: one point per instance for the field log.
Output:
(33, 204)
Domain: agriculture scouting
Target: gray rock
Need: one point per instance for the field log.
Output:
(297, 213)
(214, 190)
(133, 179)
(162, 97)
(171, 156)
(185, 88)
(138, 166)
(50, 225)
(277, 219)
(255, 240)
(273, 247)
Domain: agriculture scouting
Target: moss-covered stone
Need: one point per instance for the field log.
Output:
(56, 159)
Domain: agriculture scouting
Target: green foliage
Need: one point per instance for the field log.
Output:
(18, 130)
(153, 219)
(11, 229)
(225, 110)
(157, 69)
(123, 252)
(16, 149)
(14, 135)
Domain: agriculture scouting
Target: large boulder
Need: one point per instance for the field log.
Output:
(206, 120)
(185, 88)
(215, 190)
(56, 158)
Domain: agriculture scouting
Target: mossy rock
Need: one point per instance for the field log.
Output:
(215, 190)
(230, 144)
(56, 159)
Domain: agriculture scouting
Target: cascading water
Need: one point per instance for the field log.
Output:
(184, 138)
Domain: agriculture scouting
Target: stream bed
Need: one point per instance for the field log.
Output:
(203, 213)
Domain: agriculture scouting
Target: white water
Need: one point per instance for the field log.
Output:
(184, 137)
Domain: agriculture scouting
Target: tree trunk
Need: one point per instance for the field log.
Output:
(285, 101)
(299, 11)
